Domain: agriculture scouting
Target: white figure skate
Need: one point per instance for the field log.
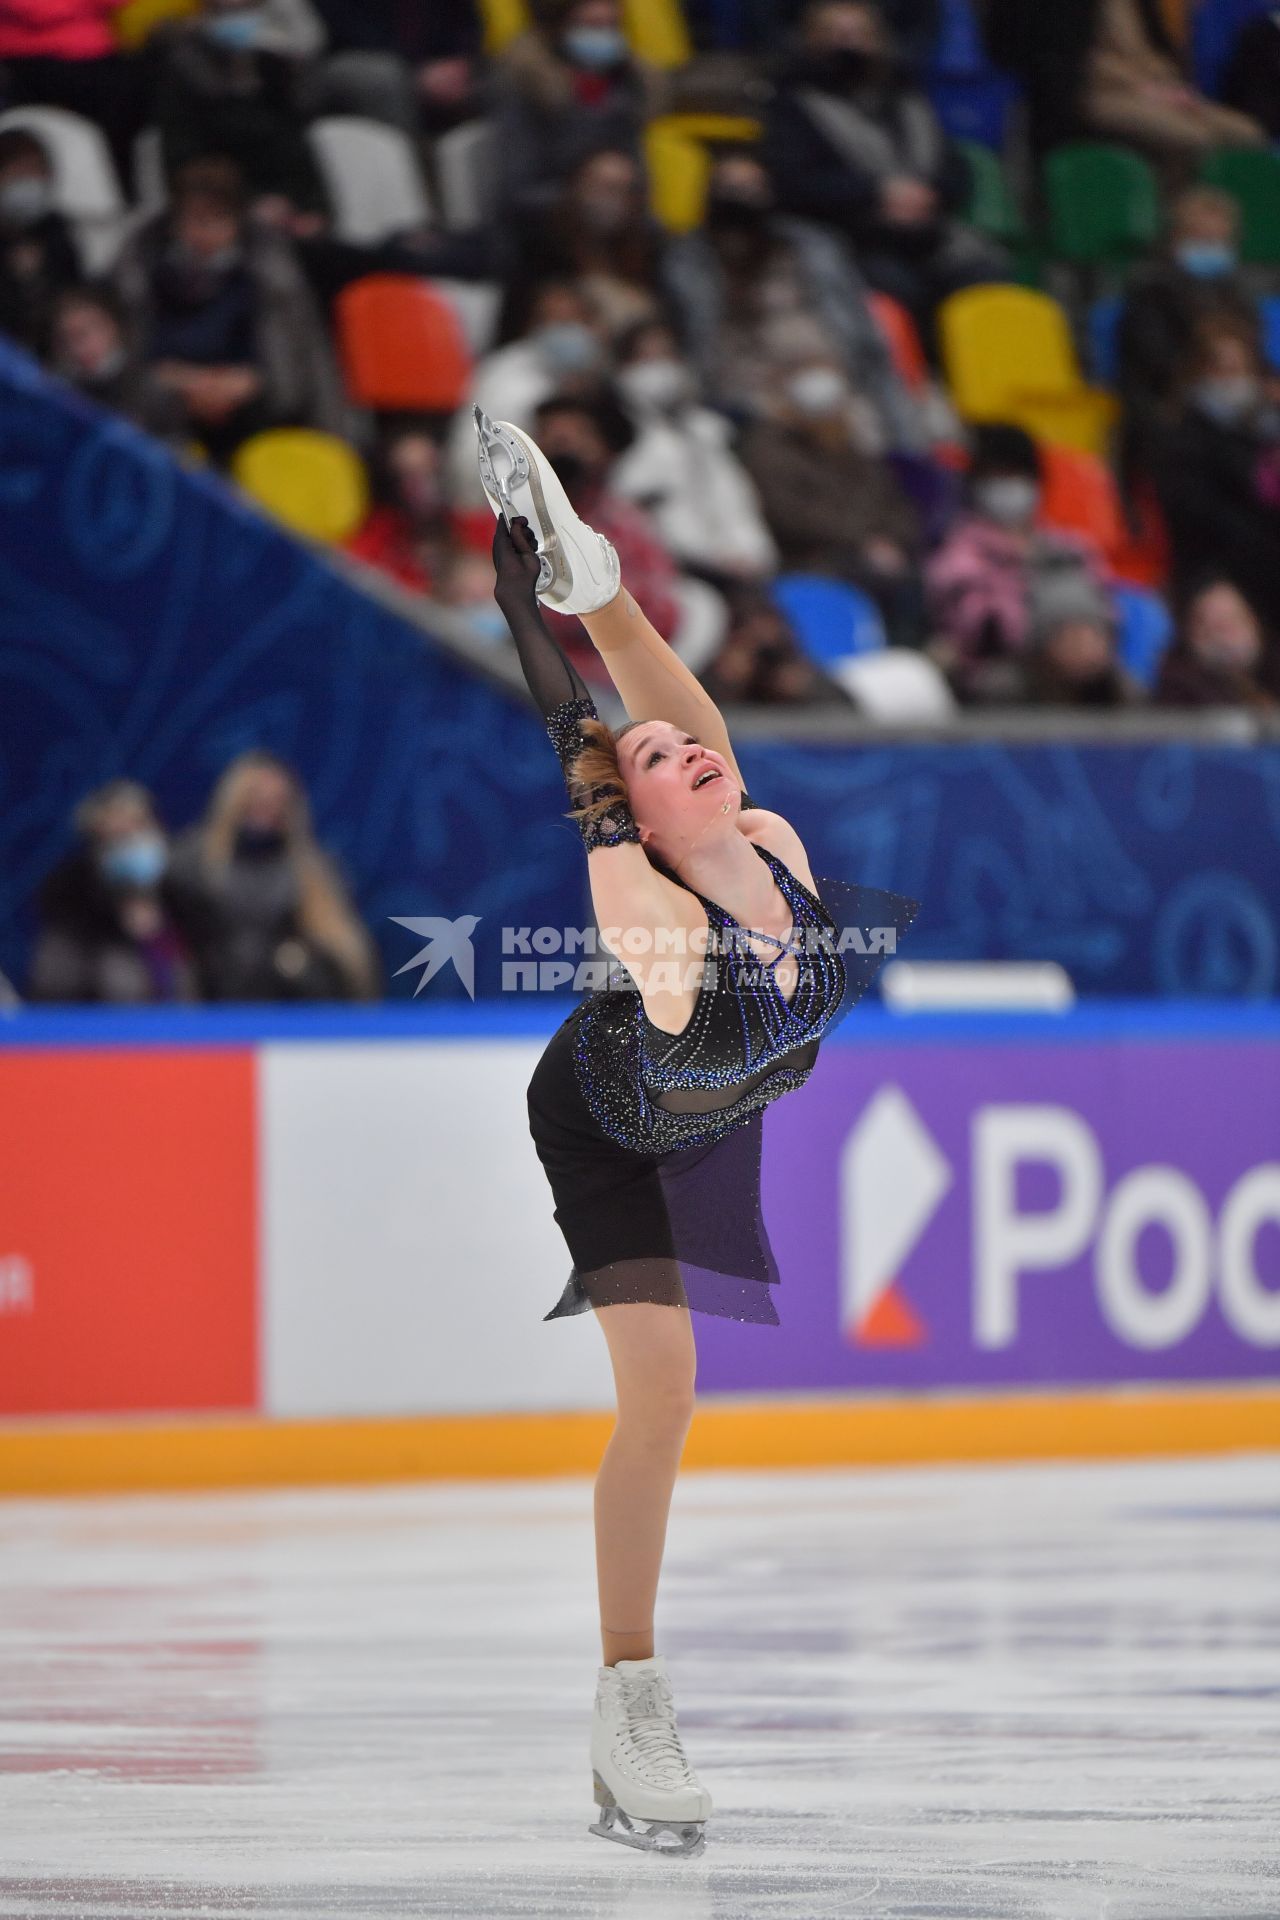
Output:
(580, 571)
(638, 1766)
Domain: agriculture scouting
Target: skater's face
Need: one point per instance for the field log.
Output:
(677, 787)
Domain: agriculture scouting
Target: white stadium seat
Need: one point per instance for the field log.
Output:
(372, 175)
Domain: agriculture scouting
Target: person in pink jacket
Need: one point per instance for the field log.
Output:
(64, 53)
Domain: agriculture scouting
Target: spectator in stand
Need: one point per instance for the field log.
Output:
(89, 350)
(1220, 656)
(1215, 462)
(1108, 69)
(566, 88)
(582, 439)
(408, 533)
(998, 578)
(850, 143)
(38, 255)
(598, 233)
(760, 663)
(755, 290)
(1198, 279)
(562, 351)
(218, 307)
(1072, 663)
(681, 467)
(832, 506)
(220, 91)
(269, 916)
(413, 63)
(110, 925)
(63, 53)
(762, 24)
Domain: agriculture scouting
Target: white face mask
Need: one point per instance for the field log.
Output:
(1010, 501)
(817, 390)
(1228, 397)
(655, 383)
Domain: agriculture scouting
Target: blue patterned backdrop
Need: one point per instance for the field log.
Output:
(151, 624)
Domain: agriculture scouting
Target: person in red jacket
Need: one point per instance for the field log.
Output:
(64, 53)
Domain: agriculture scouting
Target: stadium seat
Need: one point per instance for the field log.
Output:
(478, 305)
(311, 482)
(970, 96)
(831, 619)
(1103, 331)
(657, 32)
(138, 19)
(402, 344)
(372, 175)
(1214, 31)
(1252, 176)
(1009, 355)
(86, 187)
(467, 174)
(1145, 631)
(678, 158)
(503, 20)
(1080, 496)
(991, 207)
(900, 331)
(1143, 558)
(898, 686)
(1270, 305)
(1104, 204)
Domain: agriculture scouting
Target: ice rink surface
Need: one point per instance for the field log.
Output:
(1041, 1692)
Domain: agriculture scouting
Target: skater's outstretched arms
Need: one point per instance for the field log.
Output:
(653, 682)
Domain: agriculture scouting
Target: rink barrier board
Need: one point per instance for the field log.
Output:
(45, 1459)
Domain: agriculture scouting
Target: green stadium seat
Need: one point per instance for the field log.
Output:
(1104, 204)
(1251, 175)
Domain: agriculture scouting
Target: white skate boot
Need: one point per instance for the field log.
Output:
(580, 571)
(638, 1766)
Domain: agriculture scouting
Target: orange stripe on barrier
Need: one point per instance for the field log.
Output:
(77, 1456)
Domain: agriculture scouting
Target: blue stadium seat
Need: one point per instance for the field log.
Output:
(1271, 328)
(1104, 343)
(1145, 630)
(1214, 33)
(970, 96)
(832, 620)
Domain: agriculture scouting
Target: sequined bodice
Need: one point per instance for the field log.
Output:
(744, 1044)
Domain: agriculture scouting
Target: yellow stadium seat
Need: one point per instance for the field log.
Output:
(657, 31)
(678, 155)
(1009, 355)
(311, 482)
(139, 18)
(503, 20)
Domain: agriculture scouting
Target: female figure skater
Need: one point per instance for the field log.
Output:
(646, 1106)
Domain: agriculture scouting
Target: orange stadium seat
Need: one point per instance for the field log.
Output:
(312, 482)
(1080, 496)
(1009, 355)
(402, 345)
(899, 329)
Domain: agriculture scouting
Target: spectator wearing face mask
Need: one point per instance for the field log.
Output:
(760, 664)
(1072, 663)
(1215, 463)
(39, 259)
(999, 578)
(269, 916)
(598, 233)
(221, 89)
(110, 923)
(851, 143)
(559, 349)
(681, 467)
(90, 351)
(565, 89)
(755, 291)
(218, 308)
(408, 533)
(832, 506)
(1220, 655)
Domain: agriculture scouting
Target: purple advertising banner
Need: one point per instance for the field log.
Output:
(968, 1207)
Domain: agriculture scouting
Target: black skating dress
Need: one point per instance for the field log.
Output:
(651, 1141)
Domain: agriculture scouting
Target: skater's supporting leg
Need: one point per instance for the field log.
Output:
(654, 1361)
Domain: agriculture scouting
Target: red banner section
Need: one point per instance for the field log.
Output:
(128, 1230)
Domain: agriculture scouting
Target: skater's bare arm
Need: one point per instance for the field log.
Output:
(652, 681)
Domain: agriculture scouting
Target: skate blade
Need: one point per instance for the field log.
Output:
(500, 486)
(682, 1838)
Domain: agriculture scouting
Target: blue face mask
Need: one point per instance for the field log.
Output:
(596, 47)
(136, 861)
(567, 346)
(238, 31)
(1207, 259)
